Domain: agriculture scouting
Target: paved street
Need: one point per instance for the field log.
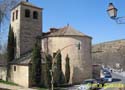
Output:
(117, 79)
(11, 87)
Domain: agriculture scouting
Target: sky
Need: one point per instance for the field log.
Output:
(87, 16)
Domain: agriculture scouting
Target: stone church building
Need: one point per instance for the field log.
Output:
(26, 23)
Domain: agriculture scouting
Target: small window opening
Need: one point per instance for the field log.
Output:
(14, 68)
(35, 15)
(27, 13)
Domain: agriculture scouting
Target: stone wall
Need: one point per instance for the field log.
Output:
(110, 53)
(30, 28)
(80, 60)
(20, 75)
(15, 26)
(3, 72)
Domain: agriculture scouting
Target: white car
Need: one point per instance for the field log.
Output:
(88, 84)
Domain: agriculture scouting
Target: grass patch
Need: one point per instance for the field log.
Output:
(9, 83)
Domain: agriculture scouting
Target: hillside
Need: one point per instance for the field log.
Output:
(109, 53)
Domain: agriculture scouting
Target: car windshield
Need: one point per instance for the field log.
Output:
(107, 76)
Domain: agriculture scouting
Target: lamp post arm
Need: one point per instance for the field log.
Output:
(120, 20)
(63, 49)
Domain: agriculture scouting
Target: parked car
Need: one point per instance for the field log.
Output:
(108, 78)
(89, 84)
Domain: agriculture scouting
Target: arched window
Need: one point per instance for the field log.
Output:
(16, 14)
(35, 15)
(27, 13)
(13, 16)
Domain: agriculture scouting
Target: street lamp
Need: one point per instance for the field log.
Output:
(112, 12)
(53, 62)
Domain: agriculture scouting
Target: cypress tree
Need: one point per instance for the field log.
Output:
(67, 69)
(48, 67)
(58, 69)
(10, 50)
(36, 65)
(10, 46)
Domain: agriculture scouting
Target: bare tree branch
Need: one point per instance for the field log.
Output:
(5, 8)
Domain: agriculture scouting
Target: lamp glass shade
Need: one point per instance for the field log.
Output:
(112, 11)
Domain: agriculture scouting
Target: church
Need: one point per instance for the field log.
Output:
(26, 23)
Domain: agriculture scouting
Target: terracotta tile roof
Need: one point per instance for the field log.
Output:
(66, 31)
(24, 59)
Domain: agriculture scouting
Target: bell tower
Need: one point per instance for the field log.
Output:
(26, 23)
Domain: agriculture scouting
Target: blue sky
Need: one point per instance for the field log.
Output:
(87, 16)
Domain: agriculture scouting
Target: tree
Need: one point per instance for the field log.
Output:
(67, 69)
(11, 45)
(58, 69)
(10, 50)
(36, 65)
(5, 8)
(48, 67)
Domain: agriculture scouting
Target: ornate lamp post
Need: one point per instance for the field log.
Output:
(112, 12)
(53, 62)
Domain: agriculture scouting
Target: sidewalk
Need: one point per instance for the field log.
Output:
(11, 87)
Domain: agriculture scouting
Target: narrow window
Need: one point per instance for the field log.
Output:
(27, 13)
(13, 16)
(16, 14)
(35, 15)
(14, 68)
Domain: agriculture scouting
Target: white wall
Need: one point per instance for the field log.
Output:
(21, 75)
(3, 72)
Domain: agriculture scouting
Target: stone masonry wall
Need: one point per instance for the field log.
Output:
(79, 59)
(20, 75)
(30, 29)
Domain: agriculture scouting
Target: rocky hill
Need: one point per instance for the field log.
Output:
(110, 53)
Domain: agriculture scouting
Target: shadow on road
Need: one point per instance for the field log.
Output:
(4, 89)
(116, 80)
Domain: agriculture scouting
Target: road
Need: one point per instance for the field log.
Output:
(116, 79)
(119, 77)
